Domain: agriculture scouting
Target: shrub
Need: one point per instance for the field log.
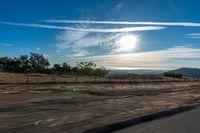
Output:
(173, 75)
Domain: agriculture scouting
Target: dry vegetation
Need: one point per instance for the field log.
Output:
(75, 107)
(11, 78)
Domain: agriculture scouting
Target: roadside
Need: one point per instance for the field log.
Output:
(79, 107)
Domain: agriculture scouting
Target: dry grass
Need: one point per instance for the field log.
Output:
(50, 78)
(77, 107)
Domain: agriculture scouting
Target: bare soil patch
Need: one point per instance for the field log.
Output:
(50, 108)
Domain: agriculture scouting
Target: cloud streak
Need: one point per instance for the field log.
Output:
(154, 56)
(194, 35)
(103, 30)
(171, 57)
(189, 24)
(6, 44)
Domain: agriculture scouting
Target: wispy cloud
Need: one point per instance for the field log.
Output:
(6, 44)
(154, 56)
(150, 58)
(80, 53)
(103, 30)
(73, 42)
(67, 39)
(78, 43)
(119, 5)
(194, 35)
(189, 24)
(38, 48)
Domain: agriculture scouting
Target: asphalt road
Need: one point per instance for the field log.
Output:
(187, 122)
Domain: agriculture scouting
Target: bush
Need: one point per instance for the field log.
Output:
(37, 63)
(173, 75)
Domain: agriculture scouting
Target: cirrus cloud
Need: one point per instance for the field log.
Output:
(189, 24)
(103, 30)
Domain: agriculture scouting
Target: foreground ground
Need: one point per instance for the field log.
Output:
(187, 122)
(50, 108)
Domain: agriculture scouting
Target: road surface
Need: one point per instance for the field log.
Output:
(187, 122)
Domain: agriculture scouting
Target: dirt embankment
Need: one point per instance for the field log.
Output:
(50, 108)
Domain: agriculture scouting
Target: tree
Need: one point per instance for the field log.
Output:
(38, 62)
(86, 68)
(62, 69)
(173, 75)
(100, 72)
(10, 64)
(66, 68)
(57, 68)
(25, 63)
(89, 69)
(3, 62)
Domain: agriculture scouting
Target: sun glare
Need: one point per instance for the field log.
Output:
(128, 43)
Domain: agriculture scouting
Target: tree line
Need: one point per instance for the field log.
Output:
(37, 63)
(173, 74)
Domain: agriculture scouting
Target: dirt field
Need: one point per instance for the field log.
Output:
(50, 108)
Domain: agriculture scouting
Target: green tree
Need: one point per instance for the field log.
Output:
(10, 64)
(173, 75)
(25, 63)
(86, 68)
(38, 62)
(66, 68)
(57, 68)
(101, 72)
(3, 62)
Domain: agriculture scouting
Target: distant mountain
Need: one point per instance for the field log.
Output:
(188, 72)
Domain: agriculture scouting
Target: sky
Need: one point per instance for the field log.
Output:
(115, 34)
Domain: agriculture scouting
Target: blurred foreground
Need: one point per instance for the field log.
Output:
(76, 107)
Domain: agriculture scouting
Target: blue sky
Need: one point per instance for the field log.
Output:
(116, 34)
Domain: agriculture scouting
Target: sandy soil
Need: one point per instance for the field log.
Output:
(50, 108)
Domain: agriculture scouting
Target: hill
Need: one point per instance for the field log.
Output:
(188, 72)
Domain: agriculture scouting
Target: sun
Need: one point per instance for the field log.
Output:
(128, 43)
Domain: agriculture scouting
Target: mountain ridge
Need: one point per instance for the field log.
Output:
(188, 72)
